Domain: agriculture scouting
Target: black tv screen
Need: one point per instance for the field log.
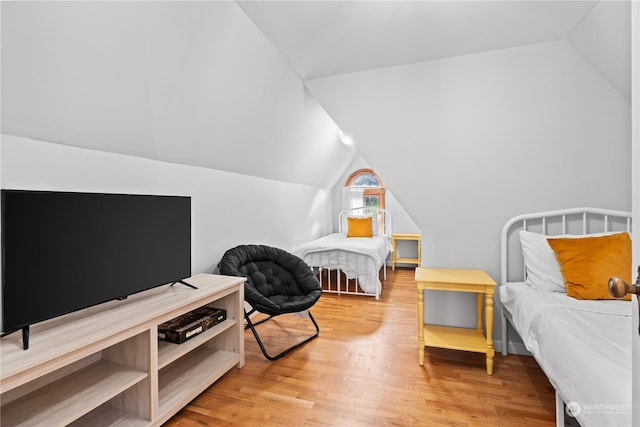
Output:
(64, 251)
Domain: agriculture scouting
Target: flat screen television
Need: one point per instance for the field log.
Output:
(65, 251)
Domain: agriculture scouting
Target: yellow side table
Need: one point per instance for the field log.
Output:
(417, 237)
(442, 279)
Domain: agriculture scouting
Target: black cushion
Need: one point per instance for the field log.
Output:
(277, 281)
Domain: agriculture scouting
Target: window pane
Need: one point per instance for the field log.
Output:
(371, 201)
(365, 180)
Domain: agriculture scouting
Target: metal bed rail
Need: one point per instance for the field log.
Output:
(328, 266)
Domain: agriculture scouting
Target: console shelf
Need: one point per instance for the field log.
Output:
(110, 416)
(61, 402)
(198, 370)
(168, 352)
(104, 366)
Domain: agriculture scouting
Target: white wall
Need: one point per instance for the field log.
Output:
(227, 208)
(184, 82)
(466, 143)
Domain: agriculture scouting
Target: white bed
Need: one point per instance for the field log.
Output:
(360, 259)
(583, 346)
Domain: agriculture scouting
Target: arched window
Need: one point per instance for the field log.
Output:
(365, 185)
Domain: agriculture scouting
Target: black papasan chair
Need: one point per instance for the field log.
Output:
(278, 282)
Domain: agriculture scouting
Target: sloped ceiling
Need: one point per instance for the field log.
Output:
(603, 38)
(192, 83)
(327, 38)
(324, 38)
(220, 84)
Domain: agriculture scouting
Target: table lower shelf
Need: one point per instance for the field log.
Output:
(407, 261)
(455, 338)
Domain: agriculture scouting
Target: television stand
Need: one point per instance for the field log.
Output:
(104, 365)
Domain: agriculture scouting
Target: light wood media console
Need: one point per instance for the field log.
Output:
(105, 366)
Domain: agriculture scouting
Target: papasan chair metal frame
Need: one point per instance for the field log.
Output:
(278, 282)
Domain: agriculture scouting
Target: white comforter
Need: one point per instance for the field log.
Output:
(356, 257)
(584, 348)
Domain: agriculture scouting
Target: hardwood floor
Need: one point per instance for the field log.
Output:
(362, 370)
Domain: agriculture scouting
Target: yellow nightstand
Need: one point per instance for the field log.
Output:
(442, 279)
(417, 237)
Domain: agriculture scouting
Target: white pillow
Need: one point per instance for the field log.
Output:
(543, 270)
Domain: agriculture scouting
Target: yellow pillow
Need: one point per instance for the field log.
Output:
(359, 227)
(587, 263)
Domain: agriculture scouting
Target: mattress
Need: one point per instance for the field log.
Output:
(582, 346)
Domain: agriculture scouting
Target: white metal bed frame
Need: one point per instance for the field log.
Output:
(578, 221)
(352, 286)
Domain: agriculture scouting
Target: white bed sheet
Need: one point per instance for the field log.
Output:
(356, 257)
(582, 346)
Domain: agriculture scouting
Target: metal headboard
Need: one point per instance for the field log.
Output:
(580, 221)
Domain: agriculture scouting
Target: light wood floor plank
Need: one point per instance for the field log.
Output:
(363, 370)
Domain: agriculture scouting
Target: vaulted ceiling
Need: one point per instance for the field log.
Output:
(324, 38)
(226, 84)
